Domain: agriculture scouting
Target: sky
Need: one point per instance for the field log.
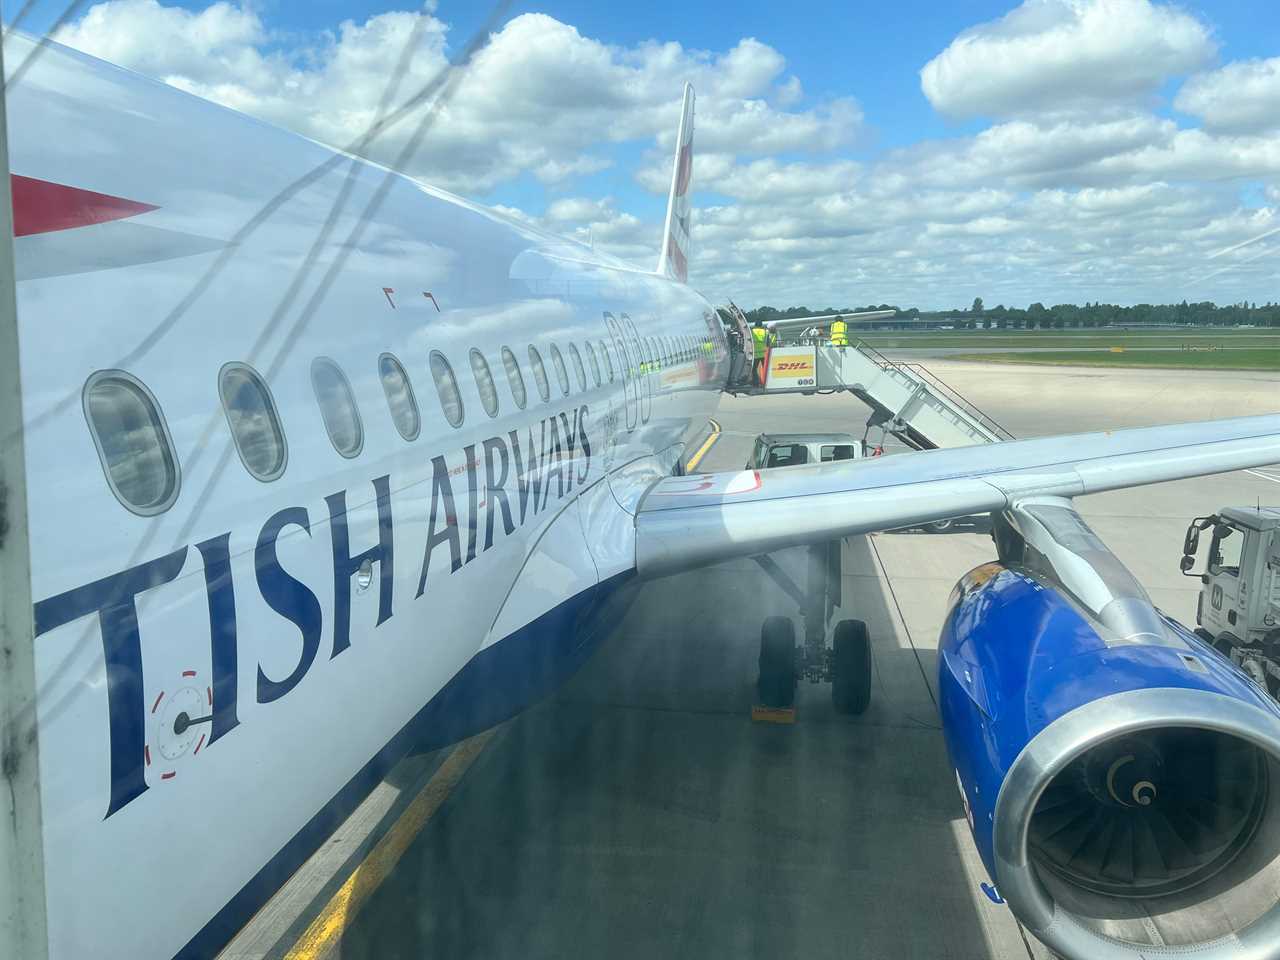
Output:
(909, 152)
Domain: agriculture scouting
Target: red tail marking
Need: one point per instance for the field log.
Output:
(685, 168)
(40, 206)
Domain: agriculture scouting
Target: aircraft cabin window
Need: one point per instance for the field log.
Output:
(515, 379)
(484, 380)
(561, 373)
(608, 359)
(337, 407)
(539, 374)
(595, 364)
(578, 369)
(400, 399)
(133, 442)
(447, 389)
(251, 415)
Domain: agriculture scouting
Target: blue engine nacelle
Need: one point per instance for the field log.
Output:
(1123, 791)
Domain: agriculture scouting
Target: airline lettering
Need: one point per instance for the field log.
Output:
(113, 598)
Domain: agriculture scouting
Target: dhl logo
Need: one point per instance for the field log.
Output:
(792, 365)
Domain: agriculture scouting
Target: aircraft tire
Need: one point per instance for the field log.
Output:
(776, 685)
(851, 668)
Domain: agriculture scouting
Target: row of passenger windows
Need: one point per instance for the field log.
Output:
(142, 468)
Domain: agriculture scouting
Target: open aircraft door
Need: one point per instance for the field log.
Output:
(629, 387)
(647, 362)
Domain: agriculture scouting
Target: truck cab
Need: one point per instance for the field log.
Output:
(793, 449)
(1239, 605)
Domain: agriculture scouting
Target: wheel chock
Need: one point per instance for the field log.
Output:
(763, 714)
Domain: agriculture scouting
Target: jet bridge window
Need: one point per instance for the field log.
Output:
(577, 366)
(561, 373)
(255, 426)
(595, 364)
(608, 359)
(447, 389)
(539, 374)
(337, 407)
(400, 399)
(133, 442)
(484, 381)
(515, 379)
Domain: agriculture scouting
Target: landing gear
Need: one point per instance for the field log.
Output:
(851, 668)
(776, 685)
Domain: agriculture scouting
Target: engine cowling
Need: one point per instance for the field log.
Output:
(1123, 791)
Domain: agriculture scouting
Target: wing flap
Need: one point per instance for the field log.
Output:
(685, 522)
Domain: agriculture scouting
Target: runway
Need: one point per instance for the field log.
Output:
(640, 812)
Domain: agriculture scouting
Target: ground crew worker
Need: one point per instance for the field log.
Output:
(759, 336)
(839, 332)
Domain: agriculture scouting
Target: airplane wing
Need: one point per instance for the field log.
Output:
(797, 324)
(686, 522)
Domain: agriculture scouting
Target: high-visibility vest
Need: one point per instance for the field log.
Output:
(758, 334)
(839, 333)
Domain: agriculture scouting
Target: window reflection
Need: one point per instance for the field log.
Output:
(132, 442)
(337, 407)
(514, 377)
(251, 415)
(447, 389)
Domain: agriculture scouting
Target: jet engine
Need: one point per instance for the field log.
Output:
(1121, 779)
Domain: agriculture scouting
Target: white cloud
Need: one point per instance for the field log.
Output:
(1065, 54)
(1242, 97)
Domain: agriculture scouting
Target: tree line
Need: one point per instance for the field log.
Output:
(1060, 315)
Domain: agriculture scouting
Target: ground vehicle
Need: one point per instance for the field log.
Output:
(1239, 605)
(793, 449)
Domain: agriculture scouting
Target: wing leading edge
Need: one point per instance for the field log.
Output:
(686, 522)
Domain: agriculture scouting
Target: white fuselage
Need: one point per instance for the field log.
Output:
(494, 546)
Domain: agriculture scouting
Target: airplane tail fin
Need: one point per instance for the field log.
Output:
(673, 261)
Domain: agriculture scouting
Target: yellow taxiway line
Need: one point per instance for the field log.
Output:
(707, 444)
(327, 929)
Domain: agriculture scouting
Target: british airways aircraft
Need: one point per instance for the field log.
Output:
(325, 465)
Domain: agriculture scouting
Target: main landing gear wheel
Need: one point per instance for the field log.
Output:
(851, 667)
(776, 685)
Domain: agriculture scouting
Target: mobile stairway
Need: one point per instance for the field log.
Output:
(906, 400)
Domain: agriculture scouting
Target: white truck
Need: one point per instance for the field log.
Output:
(1239, 606)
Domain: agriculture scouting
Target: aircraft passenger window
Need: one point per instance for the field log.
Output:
(788, 455)
(595, 364)
(514, 377)
(484, 380)
(539, 374)
(577, 367)
(251, 415)
(836, 451)
(447, 388)
(133, 442)
(608, 359)
(400, 399)
(561, 373)
(337, 407)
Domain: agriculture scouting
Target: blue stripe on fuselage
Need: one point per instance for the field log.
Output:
(496, 684)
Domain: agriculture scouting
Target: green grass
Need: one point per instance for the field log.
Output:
(1231, 359)
(987, 339)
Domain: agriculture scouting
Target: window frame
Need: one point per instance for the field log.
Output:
(562, 372)
(413, 396)
(453, 378)
(355, 406)
(273, 409)
(543, 383)
(163, 431)
(523, 399)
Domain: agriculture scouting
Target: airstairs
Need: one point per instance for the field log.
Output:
(906, 400)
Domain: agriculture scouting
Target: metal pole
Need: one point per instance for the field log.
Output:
(23, 922)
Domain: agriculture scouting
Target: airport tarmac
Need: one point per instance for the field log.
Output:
(640, 812)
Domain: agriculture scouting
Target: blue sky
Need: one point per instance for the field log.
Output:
(1039, 149)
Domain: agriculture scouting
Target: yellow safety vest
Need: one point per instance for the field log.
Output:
(839, 333)
(758, 334)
